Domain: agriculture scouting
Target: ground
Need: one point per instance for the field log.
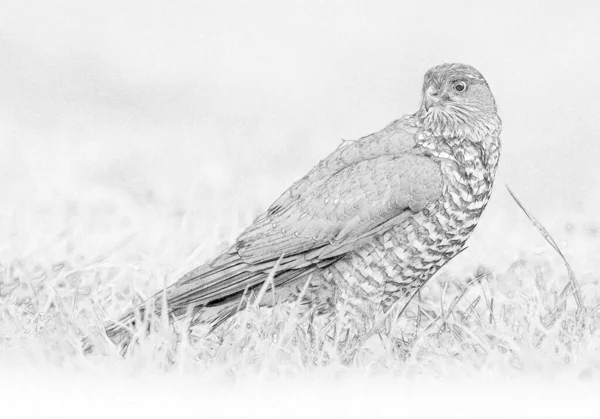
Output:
(494, 315)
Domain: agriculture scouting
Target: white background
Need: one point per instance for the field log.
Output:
(244, 97)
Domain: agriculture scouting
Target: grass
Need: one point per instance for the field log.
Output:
(521, 320)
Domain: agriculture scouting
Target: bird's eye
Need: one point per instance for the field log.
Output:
(460, 86)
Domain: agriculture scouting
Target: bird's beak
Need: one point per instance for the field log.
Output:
(432, 97)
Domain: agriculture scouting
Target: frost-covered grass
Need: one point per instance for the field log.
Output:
(90, 261)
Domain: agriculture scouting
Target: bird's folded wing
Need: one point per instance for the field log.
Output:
(345, 207)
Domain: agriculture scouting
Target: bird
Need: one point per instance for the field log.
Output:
(369, 225)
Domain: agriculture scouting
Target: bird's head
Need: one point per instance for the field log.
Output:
(457, 102)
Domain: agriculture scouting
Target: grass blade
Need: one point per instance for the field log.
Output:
(550, 240)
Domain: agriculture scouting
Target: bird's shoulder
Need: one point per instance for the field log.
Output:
(396, 139)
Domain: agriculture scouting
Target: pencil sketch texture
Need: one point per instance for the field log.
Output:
(370, 224)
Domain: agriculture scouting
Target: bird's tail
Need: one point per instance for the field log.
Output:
(123, 331)
(138, 322)
(211, 294)
(133, 324)
(120, 333)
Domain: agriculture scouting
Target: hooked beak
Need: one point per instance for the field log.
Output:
(432, 97)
